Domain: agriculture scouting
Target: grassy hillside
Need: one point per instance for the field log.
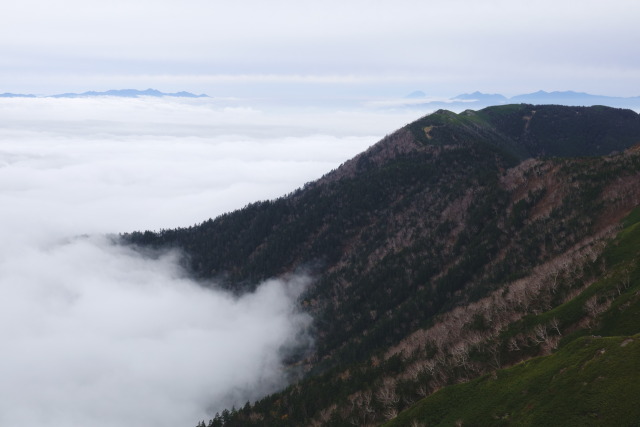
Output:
(589, 382)
(592, 379)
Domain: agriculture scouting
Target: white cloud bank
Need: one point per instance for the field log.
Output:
(96, 334)
(109, 164)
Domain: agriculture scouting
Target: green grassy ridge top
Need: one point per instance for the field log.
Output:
(535, 130)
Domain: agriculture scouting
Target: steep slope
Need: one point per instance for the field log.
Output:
(581, 290)
(591, 380)
(427, 247)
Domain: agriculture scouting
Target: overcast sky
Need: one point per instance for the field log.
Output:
(316, 49)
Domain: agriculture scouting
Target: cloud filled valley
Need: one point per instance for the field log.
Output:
(96, 333)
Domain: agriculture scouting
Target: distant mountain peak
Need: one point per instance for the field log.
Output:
(479, 96)
(16, 95)
(570, 97)
(416, 94)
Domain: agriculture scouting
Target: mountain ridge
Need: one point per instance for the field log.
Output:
(478, 100)
(475, 100)
(119, 93)
(426, 249)
(128, 93)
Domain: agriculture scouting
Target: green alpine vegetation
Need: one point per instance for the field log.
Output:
(591, 380)
(445, 259)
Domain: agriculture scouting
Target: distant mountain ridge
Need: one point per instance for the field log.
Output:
(478, 100)
(572, 98)
(120, 93)
(129, 93)
(16, 95)
(416, 99)
(479, 96)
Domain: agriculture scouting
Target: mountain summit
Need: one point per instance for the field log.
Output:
(417, 94)
(459, 245)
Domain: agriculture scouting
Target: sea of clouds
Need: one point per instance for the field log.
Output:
(94, 333)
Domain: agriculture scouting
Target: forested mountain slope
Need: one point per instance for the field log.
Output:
(429, 249)
(591, 380)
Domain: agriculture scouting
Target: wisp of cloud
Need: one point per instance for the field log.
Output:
(98, 334)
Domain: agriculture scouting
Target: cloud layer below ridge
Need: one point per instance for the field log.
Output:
(98, 334)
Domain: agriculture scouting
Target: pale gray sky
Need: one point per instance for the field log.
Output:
(329, 48)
